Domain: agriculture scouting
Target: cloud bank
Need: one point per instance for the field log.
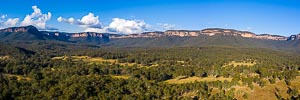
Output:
(8, 22)
(38, 19)
(91, 23)
(119, 25)
(87, 21)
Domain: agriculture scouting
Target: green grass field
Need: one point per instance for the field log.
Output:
(18, 77)
(99, 60)
(181, 80)
(243, 63)
(258, 93)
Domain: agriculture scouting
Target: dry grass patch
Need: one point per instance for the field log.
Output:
(189, 94)
(267, 92)
(182, 79)
(243, 63)
(19, 77)
(120, 76)
(4, 57)
(85, 58)
(100, 60)
(180, 61)
(59, 58)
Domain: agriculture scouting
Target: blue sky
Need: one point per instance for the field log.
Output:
(280, 17)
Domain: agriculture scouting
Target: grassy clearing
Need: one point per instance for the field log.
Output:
(258, 93)
(189, 94)
(182, 79)
(243, 63)
(4, 57)
(86, 58)
(60, 58)
(120, 76)
(180, 61)
(19, 77)
(99, 60)
(113, 76)
(267, 92)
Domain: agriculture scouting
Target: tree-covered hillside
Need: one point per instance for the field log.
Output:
(206, 72)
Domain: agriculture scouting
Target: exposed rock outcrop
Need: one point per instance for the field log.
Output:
(142, 35)
(209, 32)
(181, 33)
(22, 29)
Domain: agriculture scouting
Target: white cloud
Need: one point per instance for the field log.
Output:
(123, 26)
(87, 21)
(91, 23)
(37, 18)
(127, 26)
(10, 22)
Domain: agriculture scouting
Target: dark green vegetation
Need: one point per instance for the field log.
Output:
(204, 40)
(28, 71)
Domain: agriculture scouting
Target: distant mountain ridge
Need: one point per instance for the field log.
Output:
(169, 38)
(32, 33)
(208, 32)
(106, 36)
(21, 33)
(29, 28)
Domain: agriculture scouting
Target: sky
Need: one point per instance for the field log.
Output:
(281, 17)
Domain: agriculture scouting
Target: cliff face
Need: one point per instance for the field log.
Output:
(35, 33)
(85, 34)
(209, 32)
(32, 33)
(82, 37)
(218, 31)
(270, 37)
(181, 33)
(22, 29)
(142, 35)
(21, 33)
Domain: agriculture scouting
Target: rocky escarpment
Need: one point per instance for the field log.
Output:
(22, 29)
(142, 35)
(246, 34)
(208, 32)
(80, 37)
(75, 35)
(86, 34)
(182, 33)
(32, 33)
(21, 33)
(219, 31)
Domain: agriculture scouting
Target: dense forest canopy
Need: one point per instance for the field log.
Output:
(54, 70)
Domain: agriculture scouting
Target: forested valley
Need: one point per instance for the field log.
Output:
(63, 71)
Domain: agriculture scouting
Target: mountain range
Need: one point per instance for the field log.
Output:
(169, 38)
